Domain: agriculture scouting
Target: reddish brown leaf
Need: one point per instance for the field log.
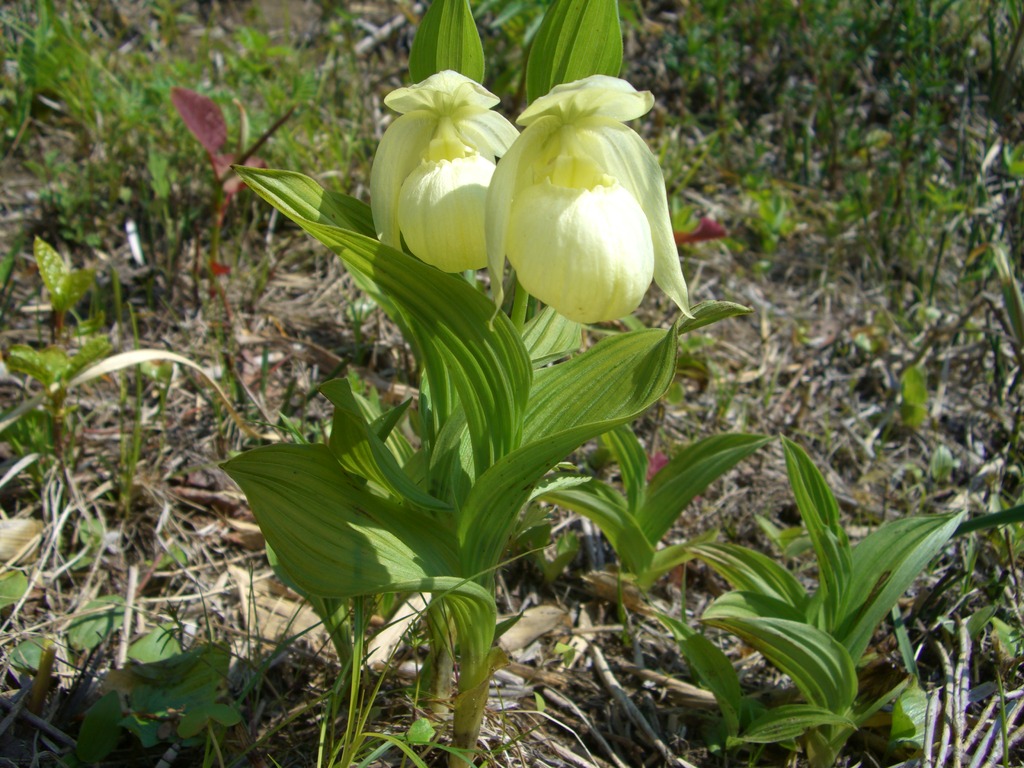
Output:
(202, 117)
(707, 229)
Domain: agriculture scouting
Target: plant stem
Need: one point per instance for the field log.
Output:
(475, 668)
(442, 662)
(520, 303)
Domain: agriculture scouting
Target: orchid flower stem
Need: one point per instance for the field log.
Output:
(520, 303)
(476, 665)
(441, 659)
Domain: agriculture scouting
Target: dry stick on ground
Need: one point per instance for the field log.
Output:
(613, 686)
(687, 694)
(587, 728)
(566, 754)
(16, 709)
(129, 616)
(996, 728)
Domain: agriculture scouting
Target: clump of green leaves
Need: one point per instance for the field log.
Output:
(176, 698)
(818, 639)
(635, 523)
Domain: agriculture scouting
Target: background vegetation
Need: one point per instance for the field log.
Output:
(867, 162)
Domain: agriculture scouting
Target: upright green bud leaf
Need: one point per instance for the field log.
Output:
(577, 39)
(447, 39)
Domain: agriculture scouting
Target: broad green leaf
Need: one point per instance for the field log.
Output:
(13, 585)
(47, 366)
(616, 379)
(160, 691)
(909, 715)
(632, 460)
(688, 474)
(51, 265)
(751, 571)
(613, 382)
(709, 312)
(447, 38)
(577, 38)
(752, 605)
(73, 287)
(465, 347)
(820, 513)
(550, 336)
(332, 536)
(884, 565)
(819, 666)
(198, 718)
(27, 655)
(97, 621)
(94, 349)
(420, 732)
(347, 212)
(158, 645)
(712, 668)
(359, 450)
(790, 721)
(100, 729)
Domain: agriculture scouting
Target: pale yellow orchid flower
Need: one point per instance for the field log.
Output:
(429, 179)
(578, 205)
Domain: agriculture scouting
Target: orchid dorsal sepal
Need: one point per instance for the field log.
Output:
(429, 178)
(579, 208)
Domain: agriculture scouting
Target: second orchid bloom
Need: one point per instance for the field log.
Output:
(430, 175)
(577, 203)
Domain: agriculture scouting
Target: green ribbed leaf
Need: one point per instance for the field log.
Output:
(752, 605)
(447, 38)
(689, 473)
(884, 565)
(613, 382)
(789, 721)
(750, 571)
(550, 336)
(66, 286)
(819, 666)
(607, 509)
(332, 536)
(820, 513)
(360, 450)
(464, 346)
(632, 461)
(712, 668)
(577, 38)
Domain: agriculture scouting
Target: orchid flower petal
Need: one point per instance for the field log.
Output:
(398, 154)
(595, 95)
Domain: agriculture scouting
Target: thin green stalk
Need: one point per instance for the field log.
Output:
(520, 303)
